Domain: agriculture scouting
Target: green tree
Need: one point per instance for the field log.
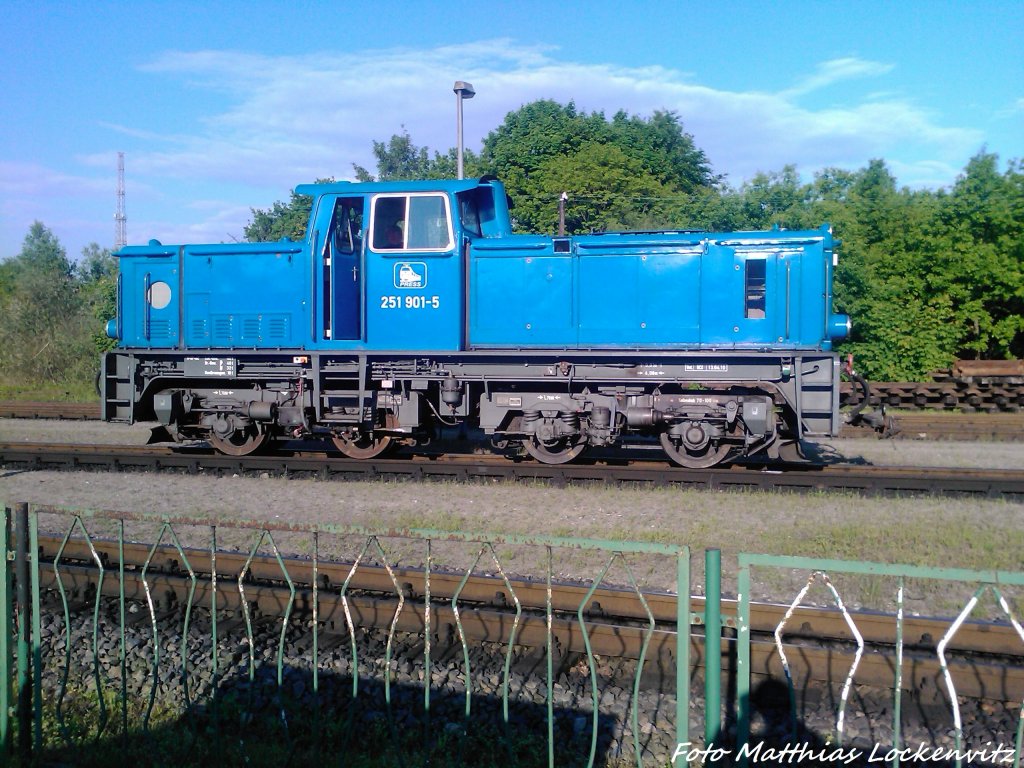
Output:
(540, 139)
(978, 244)
(400, 159)
(607, 190)
(664, 149)
(95, 264)
(535, 133)
(44, 336)
(281, 219)
(96, 273)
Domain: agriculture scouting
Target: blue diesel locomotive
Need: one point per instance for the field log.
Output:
(411, 306)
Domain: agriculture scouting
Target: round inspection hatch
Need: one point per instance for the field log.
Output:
(159, 295)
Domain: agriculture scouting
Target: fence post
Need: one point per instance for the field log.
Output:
(21, 574)
(37, 640)
(712, 645)
(6, 628)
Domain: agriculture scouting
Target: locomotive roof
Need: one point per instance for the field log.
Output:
(420, 185)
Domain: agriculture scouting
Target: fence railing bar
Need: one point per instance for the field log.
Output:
(122, 652)
(37, 642)
(549, 616)
(712, 645)
(882, 569)
(214, 668)
(6, 631)
(21, 568)
(640, 661)
(591, 664)
(683, 647)
(897, 721)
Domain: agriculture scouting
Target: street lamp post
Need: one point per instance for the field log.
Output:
(462, 90)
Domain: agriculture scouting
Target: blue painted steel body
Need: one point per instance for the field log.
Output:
(410, 308)
(658, 290)
(461, 281)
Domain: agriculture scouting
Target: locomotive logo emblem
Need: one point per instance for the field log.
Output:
(410, 274)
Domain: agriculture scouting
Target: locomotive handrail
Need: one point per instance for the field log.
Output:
(789, 269)
(250, 248)
(146, 285)
(774, 241)
(694, 247)
(329, 302)
(481, 245)
(312, 286)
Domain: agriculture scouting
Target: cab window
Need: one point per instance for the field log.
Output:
(413, 222)
(755, 285)
(469, 215)
(346, 225)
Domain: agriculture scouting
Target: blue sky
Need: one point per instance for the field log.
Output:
(224, 106)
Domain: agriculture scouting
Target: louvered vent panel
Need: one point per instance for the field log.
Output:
(277, 328)
(222, 330)
(250, 329)
(159, 330)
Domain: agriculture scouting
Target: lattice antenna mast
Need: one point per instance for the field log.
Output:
(120, 220)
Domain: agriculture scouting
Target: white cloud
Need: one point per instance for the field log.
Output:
(836, 70)
(29, 179)
(293, 118)
(290, 119)
(208, 221)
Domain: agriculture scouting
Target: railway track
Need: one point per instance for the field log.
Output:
(1007, 484)
(985, 659)
(27, 409)
(929, 425)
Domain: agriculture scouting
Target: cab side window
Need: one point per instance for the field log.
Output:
(415, 222)
(469, 215)
(755, 285)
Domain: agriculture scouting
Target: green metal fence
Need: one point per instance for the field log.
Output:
(825, 572)
(196, 546)
(112, 699)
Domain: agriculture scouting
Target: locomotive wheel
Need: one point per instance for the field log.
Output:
(241, 442)
(366, 446)
(560, 452)
(708, 456)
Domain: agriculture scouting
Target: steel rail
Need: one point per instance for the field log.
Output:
(988, 662)
(862, 479)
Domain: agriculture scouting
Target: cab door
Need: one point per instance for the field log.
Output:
(414, 273)
(339, 244)
(150, 299)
